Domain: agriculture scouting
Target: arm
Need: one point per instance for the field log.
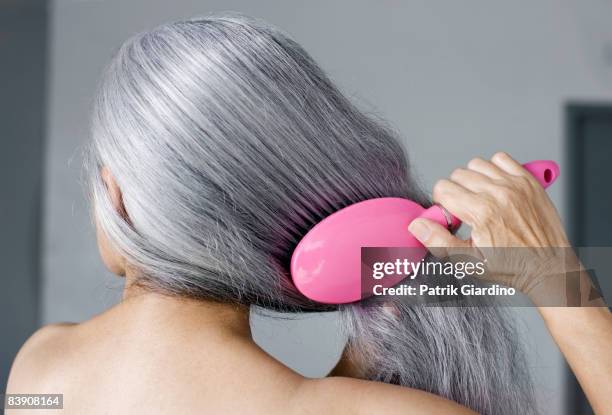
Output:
(584, 335)
(506, 207)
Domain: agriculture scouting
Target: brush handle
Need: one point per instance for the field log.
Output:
(544, 171)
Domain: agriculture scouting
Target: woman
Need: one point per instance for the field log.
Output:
(217, 144)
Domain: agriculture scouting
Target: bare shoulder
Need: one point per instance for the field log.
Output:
(41, 351)
(340, 395)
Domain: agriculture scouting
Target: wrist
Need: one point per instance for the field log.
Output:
(558, 279)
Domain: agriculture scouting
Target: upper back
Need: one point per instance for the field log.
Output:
(131, 361)
(101, 367)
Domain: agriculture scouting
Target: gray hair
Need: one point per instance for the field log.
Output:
(229, 143)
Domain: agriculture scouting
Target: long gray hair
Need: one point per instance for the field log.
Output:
(229, 143)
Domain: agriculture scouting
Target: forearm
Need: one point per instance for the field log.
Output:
(584, 335)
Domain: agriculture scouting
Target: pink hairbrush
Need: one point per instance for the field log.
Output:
(326, 264)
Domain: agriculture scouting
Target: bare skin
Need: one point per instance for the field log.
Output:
(156, 354)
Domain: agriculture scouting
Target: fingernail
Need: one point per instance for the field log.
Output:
(419, 229)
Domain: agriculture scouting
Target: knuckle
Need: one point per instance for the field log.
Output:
(504, 194)
(483, 212)
(521, 187)
(524, 182)
(532, 182)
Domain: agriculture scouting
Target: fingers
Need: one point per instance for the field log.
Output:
(485, 168)
(470, 193)
(508, 164)
(472, 180)
(455, 198)
(435, 237)
(483, 176)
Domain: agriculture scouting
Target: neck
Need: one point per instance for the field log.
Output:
(217, 317)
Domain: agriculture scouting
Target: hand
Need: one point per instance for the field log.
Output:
(506, 208)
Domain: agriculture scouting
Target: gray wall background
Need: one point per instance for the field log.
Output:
(458, 79)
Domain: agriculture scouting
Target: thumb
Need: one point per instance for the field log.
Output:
(435, 237)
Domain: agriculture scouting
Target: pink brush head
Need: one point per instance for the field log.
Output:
(326, 264)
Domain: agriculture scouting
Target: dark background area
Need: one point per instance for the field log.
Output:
(589, 154)
(23, 42)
